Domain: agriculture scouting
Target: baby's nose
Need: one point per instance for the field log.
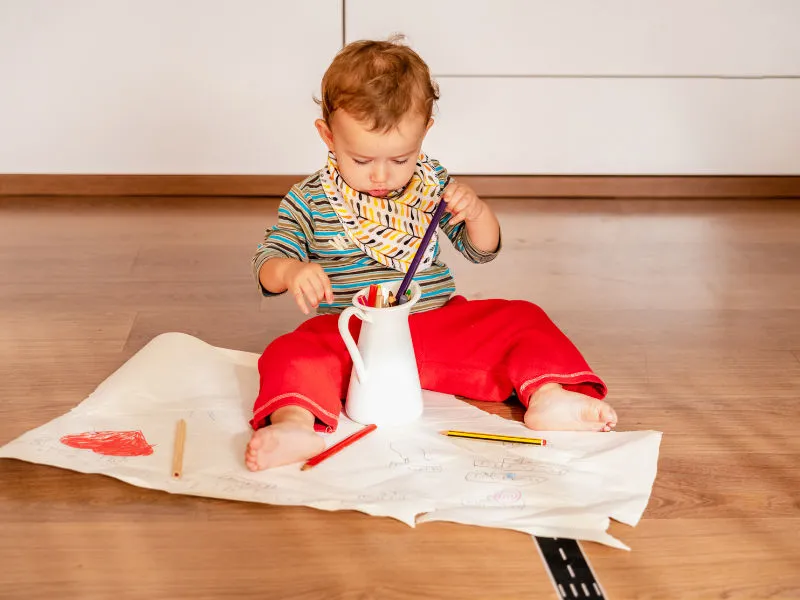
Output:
(378, 174)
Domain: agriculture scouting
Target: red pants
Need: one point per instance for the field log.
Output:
(480, 349)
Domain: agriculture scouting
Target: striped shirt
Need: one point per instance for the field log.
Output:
(309, 230)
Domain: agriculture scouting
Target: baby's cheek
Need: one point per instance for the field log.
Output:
(405, 175)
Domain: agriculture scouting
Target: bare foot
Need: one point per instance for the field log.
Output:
(281, 444)
(552, 408)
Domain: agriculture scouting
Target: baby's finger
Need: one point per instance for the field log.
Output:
(310, 291)
(326, 286)
(298, 298)
(467, 208)
(455, 206)
(457, 215)
(319, 287)
(451, 188)
(452, 194)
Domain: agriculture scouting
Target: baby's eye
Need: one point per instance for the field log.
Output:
(401, 162)
(360, 162)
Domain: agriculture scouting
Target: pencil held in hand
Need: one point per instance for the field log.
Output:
(412, 269)
(325, 454)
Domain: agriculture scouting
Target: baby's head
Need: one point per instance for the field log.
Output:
(377, 102)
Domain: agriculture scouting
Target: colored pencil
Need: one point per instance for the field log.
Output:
(495, 437)
(180, 441)
(315, 460)
(437, 216)
(373, 291)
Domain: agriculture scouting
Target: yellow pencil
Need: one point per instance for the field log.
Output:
(494, 437)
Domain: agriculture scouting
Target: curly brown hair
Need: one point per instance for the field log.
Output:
(378, 82)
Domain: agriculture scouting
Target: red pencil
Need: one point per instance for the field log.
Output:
(315, 460)
(371, 295)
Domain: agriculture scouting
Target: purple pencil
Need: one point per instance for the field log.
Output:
(437, 216)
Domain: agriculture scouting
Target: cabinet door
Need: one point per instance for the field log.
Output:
(618, 126)
(163, 86)
(612, 87)
(591, 37)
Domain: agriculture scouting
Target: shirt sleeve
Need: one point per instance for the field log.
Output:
(288, 238)
(458, 234)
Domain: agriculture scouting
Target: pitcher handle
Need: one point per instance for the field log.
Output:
(352, 348)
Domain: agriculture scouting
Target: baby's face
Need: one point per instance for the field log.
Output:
(375, 162)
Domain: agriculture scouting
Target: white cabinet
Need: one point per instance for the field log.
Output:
(611, 126)
(684, 87)
(591, 37)
(163, 86)
(528, 86)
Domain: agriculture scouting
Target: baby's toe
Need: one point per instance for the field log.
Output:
(607, 414)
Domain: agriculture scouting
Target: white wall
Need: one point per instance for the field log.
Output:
(529, 86)
(163, 86)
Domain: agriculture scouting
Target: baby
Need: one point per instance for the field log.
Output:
(360, 220)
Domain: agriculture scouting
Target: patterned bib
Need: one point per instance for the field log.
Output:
(389, 229)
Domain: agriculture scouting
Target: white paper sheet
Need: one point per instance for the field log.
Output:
(569, 488)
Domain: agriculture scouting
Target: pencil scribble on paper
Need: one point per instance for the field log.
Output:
(387, 496)
(504, 477)
(41, 443)
(519, 463)
(231, 483)
(414, 457)
(505, 498)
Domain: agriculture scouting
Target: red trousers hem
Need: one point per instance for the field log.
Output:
(326, 421)
(480, 349)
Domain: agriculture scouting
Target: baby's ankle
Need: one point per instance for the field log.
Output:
(293, 415)
(541, 391)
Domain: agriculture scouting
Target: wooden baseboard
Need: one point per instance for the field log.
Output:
(599, 186)
(146, 185)
(497, 186)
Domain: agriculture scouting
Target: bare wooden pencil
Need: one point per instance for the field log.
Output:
(180, 442)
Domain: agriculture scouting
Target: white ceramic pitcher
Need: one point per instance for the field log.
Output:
(384, 382)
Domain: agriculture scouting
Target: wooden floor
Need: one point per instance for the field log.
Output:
(689, 310)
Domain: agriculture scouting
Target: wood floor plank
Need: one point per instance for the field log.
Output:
(690, 311)
(674, 328)
(686, 562)
(397, 563)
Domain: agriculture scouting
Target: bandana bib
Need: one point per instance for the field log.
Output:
(389, 229)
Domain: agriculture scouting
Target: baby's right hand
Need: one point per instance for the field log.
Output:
(308, 282)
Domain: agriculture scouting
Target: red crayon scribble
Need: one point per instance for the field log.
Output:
(111, 443)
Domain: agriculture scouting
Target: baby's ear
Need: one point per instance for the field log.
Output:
(325, 133)
(429, 125)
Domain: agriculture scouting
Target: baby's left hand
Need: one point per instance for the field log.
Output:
(462, 202)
